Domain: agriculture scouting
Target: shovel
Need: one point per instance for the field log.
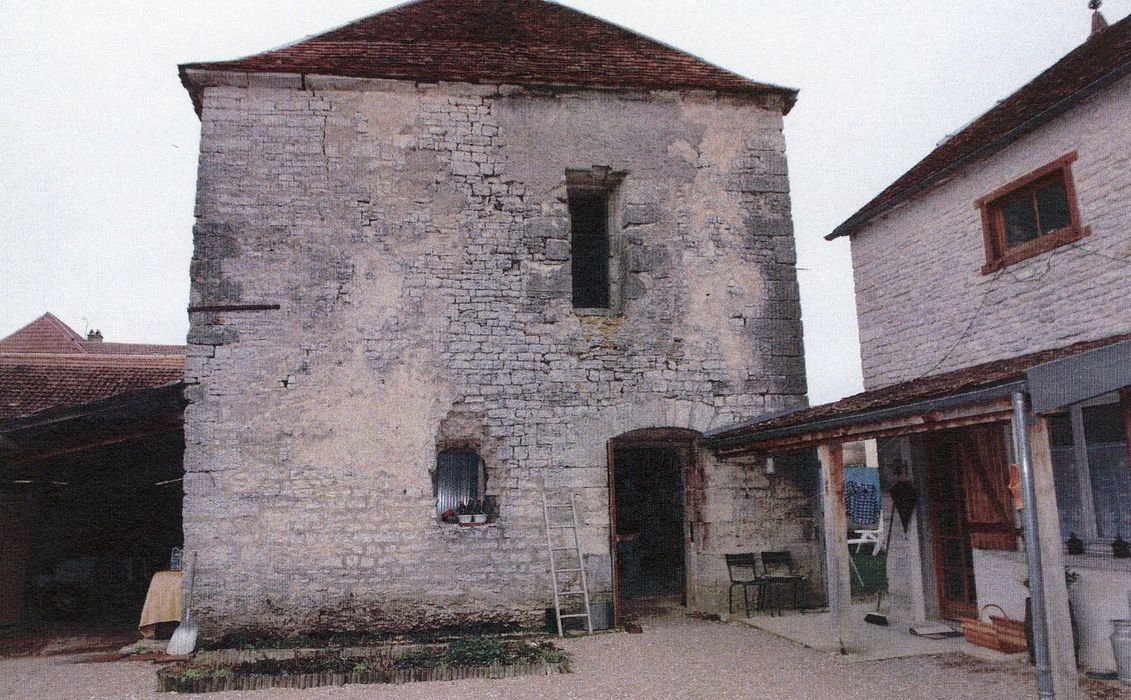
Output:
(183, 640)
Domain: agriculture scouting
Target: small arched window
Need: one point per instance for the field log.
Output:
(460, 478)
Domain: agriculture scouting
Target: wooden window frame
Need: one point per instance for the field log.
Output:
(998, 253)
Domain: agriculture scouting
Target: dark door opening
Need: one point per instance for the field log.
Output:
(649, 527)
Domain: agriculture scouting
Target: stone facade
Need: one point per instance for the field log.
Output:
(924, 305)
(416, 240)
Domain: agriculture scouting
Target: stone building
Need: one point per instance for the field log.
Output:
(477, 251)
(991, 286)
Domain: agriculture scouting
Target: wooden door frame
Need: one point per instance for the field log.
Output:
(684, 442)
(934, 510)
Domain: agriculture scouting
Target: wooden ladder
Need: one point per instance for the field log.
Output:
(556, 568)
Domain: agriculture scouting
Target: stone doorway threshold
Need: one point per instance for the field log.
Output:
(872, 642)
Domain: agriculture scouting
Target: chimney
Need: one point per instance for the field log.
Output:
(94, 336)
(1098, 22)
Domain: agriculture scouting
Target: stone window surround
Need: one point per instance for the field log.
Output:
(998, 254)
(487, 472)
(610, 182)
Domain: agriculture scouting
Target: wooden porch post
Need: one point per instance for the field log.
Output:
(836, 541)
(1062, 654)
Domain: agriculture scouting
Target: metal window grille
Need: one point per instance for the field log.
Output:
(459, 478)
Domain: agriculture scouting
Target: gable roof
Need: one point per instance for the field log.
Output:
(45, 334)
(519, 42)
(1098, 62)
(47, 364)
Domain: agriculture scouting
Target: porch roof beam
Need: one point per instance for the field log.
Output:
(992, 412)
(909, 411)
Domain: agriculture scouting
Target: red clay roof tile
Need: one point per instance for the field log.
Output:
(521, 42)
(46, 364)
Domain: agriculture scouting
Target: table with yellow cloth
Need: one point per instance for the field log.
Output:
(162, 602)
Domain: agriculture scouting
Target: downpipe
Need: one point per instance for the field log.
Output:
(1032, 547)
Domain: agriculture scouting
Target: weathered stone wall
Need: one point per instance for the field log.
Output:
(751, 511)
(416, 240)
(925, 307)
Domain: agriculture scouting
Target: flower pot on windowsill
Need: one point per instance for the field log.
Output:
(466, 519)
(479, 519)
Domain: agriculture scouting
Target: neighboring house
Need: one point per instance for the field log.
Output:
(465, 251)
(999, 264)
(90, 468)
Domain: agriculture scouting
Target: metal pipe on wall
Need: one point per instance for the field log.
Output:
(1032, 547)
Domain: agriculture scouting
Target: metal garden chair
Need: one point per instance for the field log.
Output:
(777, 569)
(743, 572)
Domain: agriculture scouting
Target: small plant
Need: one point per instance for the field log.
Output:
(476, 651)
(481, 651)
(550, 654)
(191, 674)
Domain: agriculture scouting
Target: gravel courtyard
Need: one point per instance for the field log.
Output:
(676, 657)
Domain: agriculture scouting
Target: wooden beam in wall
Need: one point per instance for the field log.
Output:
(836, 542)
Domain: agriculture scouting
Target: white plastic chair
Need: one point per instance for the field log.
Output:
(872, 537)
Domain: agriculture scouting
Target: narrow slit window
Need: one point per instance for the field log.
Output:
(589, 247)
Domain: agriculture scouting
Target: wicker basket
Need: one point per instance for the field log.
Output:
(1000, 633)
(1010, 633)
(979, 633)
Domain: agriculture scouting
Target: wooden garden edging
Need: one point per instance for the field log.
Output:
(168, 679)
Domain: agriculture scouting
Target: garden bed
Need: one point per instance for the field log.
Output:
(472, 657)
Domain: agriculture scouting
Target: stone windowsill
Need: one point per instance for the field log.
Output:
(485, 530)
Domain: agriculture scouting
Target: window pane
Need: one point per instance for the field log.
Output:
(1020, 222)
(1103, 424)
(1067, 491)
(1052, 202)
(1110, 472)
(1060, 430)
(1064, 475)
(589, 214)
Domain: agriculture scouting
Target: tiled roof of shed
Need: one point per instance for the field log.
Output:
(521, 42)
(1104, 57)
(46, 364)
(926, 388)
(47, 334)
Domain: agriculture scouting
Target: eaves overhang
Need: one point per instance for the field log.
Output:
(719, 439)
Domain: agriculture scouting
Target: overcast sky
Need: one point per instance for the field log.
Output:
(99, 141)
